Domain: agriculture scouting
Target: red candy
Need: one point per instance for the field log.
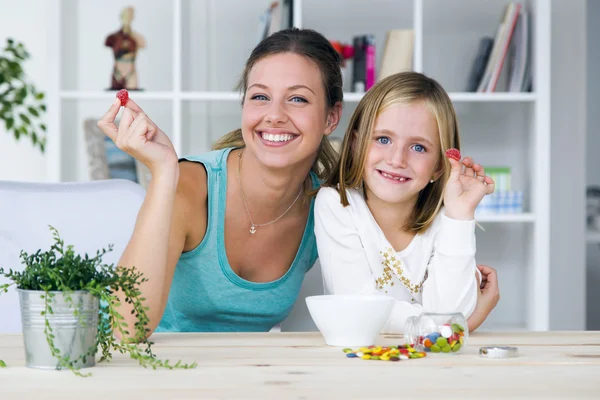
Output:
(453, 153)
(123, 95)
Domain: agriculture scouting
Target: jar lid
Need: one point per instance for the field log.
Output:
(498, 352)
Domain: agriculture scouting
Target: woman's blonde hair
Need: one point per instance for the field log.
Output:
(315, 47)
(402, 88)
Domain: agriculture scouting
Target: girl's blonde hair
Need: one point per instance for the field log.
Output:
(315, 47)
(402, 88)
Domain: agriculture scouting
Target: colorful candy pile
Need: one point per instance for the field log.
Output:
(392, 353)
(449, 339)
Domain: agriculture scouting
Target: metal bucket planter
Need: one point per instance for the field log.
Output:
(74, 335)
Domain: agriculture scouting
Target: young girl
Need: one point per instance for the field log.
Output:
(396, 216)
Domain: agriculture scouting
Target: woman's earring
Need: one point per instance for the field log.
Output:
(431, 181)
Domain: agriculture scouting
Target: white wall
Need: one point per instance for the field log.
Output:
(568, 125)
(593, 161)
(24, 21)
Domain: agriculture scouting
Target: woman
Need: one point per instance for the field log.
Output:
(239, 267)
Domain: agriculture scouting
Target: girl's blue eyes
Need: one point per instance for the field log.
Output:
(386, 140)
(418, 148)
(262, 97)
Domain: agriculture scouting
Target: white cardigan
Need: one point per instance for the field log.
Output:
(435, 273)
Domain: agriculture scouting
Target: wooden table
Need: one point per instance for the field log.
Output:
(300, 366)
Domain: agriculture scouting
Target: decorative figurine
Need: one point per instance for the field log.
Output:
(125, 44)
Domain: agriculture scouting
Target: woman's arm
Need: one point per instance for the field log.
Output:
(161, 226)
(157, 242)
(487, 298)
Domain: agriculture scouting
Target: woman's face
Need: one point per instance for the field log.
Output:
(285, 114)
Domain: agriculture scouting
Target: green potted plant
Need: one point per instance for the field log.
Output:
(21, 104)
(69, 309)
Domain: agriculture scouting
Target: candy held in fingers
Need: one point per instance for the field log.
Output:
(123, 96)
(453, 153)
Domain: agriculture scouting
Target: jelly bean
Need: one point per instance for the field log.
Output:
(394, 358)
(446, 349)
(433, 336)
(435, 348)
(374, 357)
(403, 357)
(366, 357)
(383, 358)
(351, 355)
(446, 331)
(441, 341)
(348, 351)
(456, 347)
(427, 343)
(457, 328)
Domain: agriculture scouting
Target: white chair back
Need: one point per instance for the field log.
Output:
(87, 215)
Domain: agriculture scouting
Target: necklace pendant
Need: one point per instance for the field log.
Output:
(252, 230)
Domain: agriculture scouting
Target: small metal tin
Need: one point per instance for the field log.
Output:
(498, 352)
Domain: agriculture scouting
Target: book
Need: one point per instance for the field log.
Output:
(359, 66)
(481, 58)
(510, 23)
(370, 61)
(519, 56)
(397, 52)
(501, 42)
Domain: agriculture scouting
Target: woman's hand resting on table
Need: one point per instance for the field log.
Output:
(488, 295)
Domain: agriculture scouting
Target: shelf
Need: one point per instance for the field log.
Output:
(492, 97)
(235, 96)
(524, 217)
(593, 237)
(110, 94)
(206, 96)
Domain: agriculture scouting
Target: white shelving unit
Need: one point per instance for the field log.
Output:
(196, 50)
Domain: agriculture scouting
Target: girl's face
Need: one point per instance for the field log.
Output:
(403, 154)
(285, 115)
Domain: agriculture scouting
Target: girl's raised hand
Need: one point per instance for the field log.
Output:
(465, 188)
(139, 137)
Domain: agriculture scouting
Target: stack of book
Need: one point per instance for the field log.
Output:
(511, 47)
(279, 15)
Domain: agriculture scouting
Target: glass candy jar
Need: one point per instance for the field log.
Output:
(437, 333)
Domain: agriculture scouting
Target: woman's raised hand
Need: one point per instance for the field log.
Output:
(139, 137)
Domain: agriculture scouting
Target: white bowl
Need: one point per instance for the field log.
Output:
(350, 320)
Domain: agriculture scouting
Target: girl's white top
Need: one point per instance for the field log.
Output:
(436, 272)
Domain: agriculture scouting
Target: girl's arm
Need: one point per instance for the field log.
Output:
(451, 285)
(344, 263)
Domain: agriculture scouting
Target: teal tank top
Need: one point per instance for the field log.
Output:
(206, 295)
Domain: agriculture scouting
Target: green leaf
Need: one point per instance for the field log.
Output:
(25, 119)
(33, 111)
(10, 122)
(2, 364)
(39, 96)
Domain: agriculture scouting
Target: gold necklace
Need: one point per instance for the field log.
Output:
(253, 226)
